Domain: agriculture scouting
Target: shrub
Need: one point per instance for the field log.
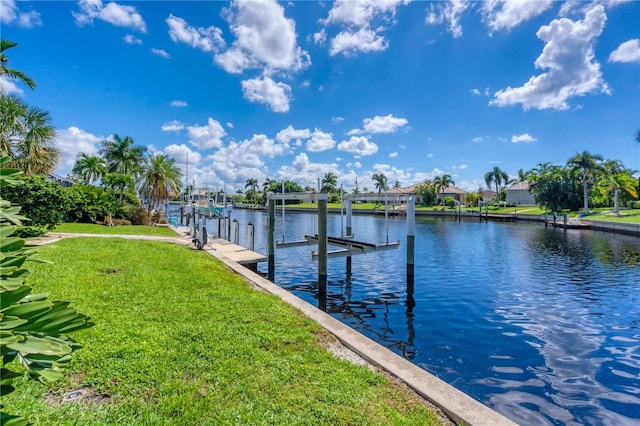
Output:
(93, 204)
(121, 222)
(138, 215)
(449, 201)
(46, 204)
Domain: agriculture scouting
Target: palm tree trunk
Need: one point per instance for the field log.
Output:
(615, 200)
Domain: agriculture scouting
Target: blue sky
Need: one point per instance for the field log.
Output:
(293, 90)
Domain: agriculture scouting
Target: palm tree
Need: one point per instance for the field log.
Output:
(614, 177)
(380, 181)
(329, 182)
(268, 182)
(497, 177)
(159, 179)
(122, 155)
(252, 185)
(8, 73)
(27, 136)
(89, 168)
(118, 181)
(442, 183)
(587, 164)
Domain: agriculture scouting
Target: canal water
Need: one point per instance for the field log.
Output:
(542, 325)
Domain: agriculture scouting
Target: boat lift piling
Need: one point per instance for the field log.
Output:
(349, 245)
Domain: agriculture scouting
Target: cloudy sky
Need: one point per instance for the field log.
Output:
(293, 90)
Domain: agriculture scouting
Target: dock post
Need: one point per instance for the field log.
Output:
(349, 232)
(250, 244)
(555, 219)
(565, 220)
(235, 231)
(250, 237)
(228, 225)
(271, 242)
(322, 252)
(411, 231)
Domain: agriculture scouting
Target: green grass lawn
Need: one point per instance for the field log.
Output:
(625, 216)
(91, 228)
(179, 339)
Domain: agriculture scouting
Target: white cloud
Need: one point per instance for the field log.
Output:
(507, 14)
(393, 155)
(628, 52)
(361, 23)
(430, 155)
(460, 167)
(161, 53)
(71, 142)
(336, 120)
(386, 124)
(266, 91)
(353, 132)
(363, 40)
(265, 38)
(206, 39)
(113, 13)
(523, 138)
(288, 134)
(8, 87)
(359, 145)
(173, 126)
(306, 173)
(229, 125)
(10, 14)
(449, 12)
(205, 137)
(477, 139)
(130, 39)
(182, 154)
(320, 141)
(475, 91)
(178, 103)
(569, 57)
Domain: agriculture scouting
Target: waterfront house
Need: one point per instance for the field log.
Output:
(518, 194)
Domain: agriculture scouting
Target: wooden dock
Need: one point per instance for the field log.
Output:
(234, 252)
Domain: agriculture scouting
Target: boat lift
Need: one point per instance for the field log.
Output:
(349, 246)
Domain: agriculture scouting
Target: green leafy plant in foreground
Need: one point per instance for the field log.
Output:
(32, 328)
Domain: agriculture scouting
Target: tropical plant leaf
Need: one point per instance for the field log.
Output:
(8, 298)
(46, 345)
(10, 323)
(28, 310)
(11, 420)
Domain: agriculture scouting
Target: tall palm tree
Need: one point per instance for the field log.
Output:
(380, 181)
(27, 136)
(329, 182)
(122, 155)
(442, 183)
(160, 178)
(497, 177)
(587, 164)
(614, 177)
(8, 73)
(252, 185)
(89, 168)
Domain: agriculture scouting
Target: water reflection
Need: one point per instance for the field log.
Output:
(541, 324)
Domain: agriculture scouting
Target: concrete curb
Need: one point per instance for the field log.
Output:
(457, 405)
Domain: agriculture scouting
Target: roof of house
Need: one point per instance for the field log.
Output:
(522, 185)
(488, 194)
